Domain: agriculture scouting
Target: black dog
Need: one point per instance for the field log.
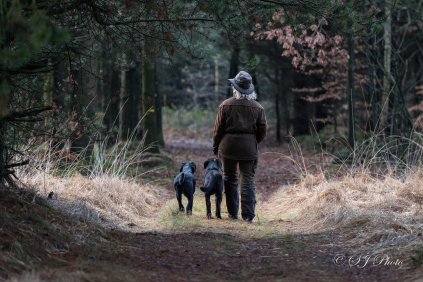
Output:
(213, 184)
(185, 184)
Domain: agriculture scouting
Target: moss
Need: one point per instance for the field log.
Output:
(152, 160)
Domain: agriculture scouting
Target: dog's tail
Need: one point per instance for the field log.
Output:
(208, 186)
(181, 179)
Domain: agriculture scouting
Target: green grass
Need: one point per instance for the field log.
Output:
(417, 260)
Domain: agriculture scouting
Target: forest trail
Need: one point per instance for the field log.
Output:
(163, 245)
(273, 248)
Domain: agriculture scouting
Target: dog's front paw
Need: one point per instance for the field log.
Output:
(189, 213)
(209, 216)
(181, 209)
(218, 216)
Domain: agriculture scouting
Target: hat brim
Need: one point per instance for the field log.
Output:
(242, 90)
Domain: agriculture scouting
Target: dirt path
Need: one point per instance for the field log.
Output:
(212, 256)
(270, 249)
(273, 169)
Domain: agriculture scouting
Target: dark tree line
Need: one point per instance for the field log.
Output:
(62, 62)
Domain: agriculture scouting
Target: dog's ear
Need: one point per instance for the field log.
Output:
(206, 163)
(182, 165)
(193, 167)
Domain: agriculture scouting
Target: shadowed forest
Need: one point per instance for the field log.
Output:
(102, 101)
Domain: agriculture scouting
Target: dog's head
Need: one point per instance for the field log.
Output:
(191, 165)
(212, 164)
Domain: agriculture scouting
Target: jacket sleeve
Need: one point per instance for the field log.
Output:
(219, 129)
(261, 126)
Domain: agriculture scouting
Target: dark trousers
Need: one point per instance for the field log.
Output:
(247, 171)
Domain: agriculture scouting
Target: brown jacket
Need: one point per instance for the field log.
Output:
(240, 125)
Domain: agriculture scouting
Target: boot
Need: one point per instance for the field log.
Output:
(248, 202)
(232, 197)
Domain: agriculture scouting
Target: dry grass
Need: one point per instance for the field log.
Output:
(380, 205)
(106, 194)
(109, 201)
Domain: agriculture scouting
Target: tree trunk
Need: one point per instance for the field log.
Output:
(3, 148)
(113, 109)
(286, 113)
(278, 116)
(136, 92)
(277, 94)
(372, 76)
(300, 118)
(233, 69)
(148, 106)
(311, 115)
(126, 122)
(371, 70)
(85, 81)
(105, 90)
(140, 130)
(59, 84)
(387, 66)
(351, 93)
(216, 79)
(159, 105)
(256, 86)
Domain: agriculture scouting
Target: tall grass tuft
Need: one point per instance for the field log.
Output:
(376, 192)
(95, 185)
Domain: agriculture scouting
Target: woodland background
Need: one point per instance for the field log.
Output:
(75, 70)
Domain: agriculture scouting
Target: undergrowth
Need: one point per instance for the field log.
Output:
(98, 186)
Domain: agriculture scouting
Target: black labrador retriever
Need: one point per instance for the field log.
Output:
(185, 184)
(213, 184)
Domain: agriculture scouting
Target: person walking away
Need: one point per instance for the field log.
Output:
(239, 127)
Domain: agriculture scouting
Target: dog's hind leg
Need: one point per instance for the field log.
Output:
(189, 205)
(179, 198)
(208, 205)
(218, 203)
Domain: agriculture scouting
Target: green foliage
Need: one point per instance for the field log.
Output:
(27, 34)
(251, 64)
(417, 260)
